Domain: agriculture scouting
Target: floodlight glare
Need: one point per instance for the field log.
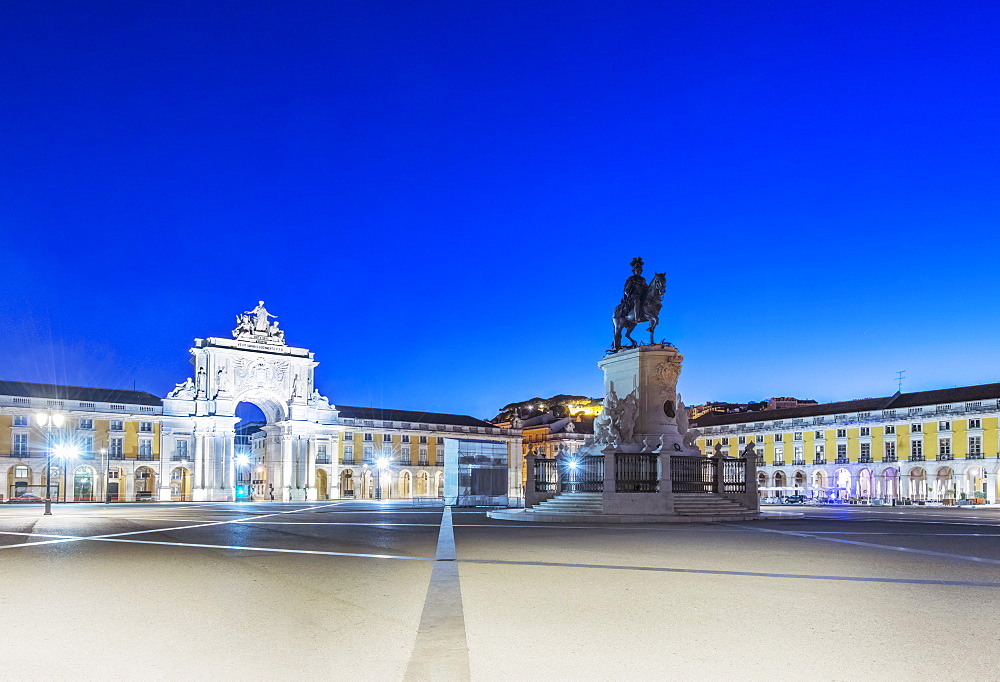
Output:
(57, 420)
(573, 464)
(382, 462)
(242, 460)
(42, 418)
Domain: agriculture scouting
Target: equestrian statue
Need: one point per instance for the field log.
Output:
(641, 302)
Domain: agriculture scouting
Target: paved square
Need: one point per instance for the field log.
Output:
(353, 590)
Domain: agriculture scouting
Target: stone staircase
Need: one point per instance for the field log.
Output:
(708, 505)
(570, 504)
(696, 507)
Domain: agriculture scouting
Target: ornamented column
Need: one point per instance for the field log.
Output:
(287, 480)
(310, 482)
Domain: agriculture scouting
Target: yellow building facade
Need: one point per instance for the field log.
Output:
(936, 446)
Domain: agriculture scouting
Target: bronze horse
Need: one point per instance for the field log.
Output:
(649, 311)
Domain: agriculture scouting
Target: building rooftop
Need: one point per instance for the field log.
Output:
(959, 394)
(382, 414)
(80, 393)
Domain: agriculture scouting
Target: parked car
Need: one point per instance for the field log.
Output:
(796, 499)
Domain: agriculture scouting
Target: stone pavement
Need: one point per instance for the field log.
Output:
(370, 591)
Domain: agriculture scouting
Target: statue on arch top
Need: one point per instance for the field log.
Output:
(254, 325)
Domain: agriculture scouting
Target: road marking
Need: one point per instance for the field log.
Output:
(161, 530)
(441, 651)
(908, 550)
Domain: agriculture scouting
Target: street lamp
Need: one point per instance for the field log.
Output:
(48, 421)
(382, 463)
(242, 461)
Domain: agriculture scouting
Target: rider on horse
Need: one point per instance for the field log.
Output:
(635, 291)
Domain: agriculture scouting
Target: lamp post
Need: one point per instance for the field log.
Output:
(381, 464)
(48, 421)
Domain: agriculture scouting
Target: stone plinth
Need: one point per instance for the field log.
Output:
(648, 376)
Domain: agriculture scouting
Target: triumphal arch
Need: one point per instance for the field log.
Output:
(309, 448)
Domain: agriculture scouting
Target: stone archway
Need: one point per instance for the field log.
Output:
(944, 484)
(799, 481)
(347, 483)
(180, 484)
(918, 483)
(866, 483)
(975, 486)
(367, 485)
(321, 487)
(439, 484)
(842, 483)
(145, 484)
(18, 480)
(423, 483)
(83, 484)
(405, 484)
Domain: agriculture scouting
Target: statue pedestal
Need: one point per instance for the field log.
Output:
(649, 373)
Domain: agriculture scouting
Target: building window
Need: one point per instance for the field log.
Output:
(743, 440)
(145, 427)
(369, 453)
(87, 424)
(841, 433)
(916, 410)
(115, 448)
(386, 437)
(778, 438)
(798, 455)
(404, 455)
(916, 428)
(708, 442)
(348, 454)
(889, 430)
(917, 450)
(20, 420)
(975, 423)
(890, 452)
(117, 425)
(369, 422)
(87, 446)
(818, 434)
(423, 456)
(975, 446)
(369, 437)
(974, 405)
(406, 439)
(145, 448)
(423, 440)
(21, 444)
(181, 449)
(842, 450)
(944, 447)
(866, 452)
(944, 426)
(797, 436)
(866, 431)
(820, 450)
(758, 439)
(20, 472)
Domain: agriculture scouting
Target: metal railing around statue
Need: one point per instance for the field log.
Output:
(586, 477)
(546, 475)
(637, 473)
(694, 474)
(734, 475)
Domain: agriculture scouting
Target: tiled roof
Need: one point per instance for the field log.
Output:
(349, 412)
(23, 389)
(959, 394)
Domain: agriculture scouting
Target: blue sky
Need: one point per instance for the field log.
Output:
(441, 199)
